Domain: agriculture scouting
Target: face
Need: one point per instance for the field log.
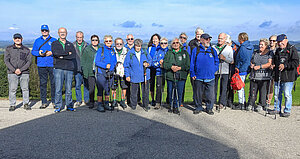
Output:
(273, 41)
(282, 44)
(62, 33)
(18, 41)
(79, 38)
(175, 44)
(198, 35)
(206, 42)
(45, 32)
(108, 42)
(137, 48)
(119, 44)
(130, 39)
(221, 39)
(95, 41)
(262, 46)
(155, 40)
(183, 38)
(164, 44)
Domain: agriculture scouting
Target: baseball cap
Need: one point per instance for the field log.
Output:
(205, 36)
(17, 35)
(44, 27)
(281, 37)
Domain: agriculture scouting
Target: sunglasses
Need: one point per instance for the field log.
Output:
(119, 44)
(130, 39)
(108, 41)
(163, 43)
(175, 43)
(272, 40)
(182, 37)
(94, 40)
(44, 30)
(17, 38)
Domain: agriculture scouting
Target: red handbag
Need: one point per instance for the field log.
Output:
(236, 82)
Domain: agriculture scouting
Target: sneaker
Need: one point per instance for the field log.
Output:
(258, 108)
(71, 109)
(197, 111)
(43, 106)
(176, 110)
(250, 107)
(57, 110)
(122, 104)
(77, 104)
(221, 106)
(210, 112)
(237, 107)
(53, 105)
(273, 112)
(285, 114)
(114, 104)
(12, 108)
(27, 107)
(157, 106)
(106, 106)
(100, 107)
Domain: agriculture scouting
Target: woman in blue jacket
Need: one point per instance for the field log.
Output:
(137, 72)
(157, 64)
(153, 45)
(104, 65)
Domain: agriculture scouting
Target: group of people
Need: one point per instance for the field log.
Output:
(134, 70)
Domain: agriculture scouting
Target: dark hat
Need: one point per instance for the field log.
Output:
(17, 35)
(44, 27)
(281, 37)
(205, 36)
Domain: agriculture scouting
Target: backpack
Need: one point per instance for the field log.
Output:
(236, 82)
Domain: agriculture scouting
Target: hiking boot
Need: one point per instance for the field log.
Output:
(210, 112)
(27, 107)
(176, 110)
(240, 106)
(106, 106)
(114, 103)
(12, 108)
(249, 107)
(285, 114)
(157, 106)
(257, 108)
(71, 109)
(273, 112)
(43, 106)
(91, 105)
(197, 111)
(77, 104)
(100, 107)
(153, 103)
(122, 104)
(57, 110)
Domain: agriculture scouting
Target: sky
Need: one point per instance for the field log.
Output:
(258, 18)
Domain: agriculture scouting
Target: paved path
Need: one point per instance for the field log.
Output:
(139, 134)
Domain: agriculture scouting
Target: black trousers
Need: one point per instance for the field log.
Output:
(134, 87)
(160, 85)
(261, 86)
(223, 88)
(91, 82)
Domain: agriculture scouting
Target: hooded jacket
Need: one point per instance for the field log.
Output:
(243, 57)
(79, 53)
(102, 59)
(88, 55)
(159, 55)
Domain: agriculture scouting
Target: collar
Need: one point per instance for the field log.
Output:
(14, 46)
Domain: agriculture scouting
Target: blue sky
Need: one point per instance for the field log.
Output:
(258, 18)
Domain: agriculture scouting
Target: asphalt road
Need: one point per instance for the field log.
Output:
(138, 134)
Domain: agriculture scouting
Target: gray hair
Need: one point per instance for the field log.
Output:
(228, 39)
(79, 32)
(138, 42)
(118, 38)
(107, 36)
(183, 33)
(273, 36)
(265, 40)
(178, 41)
(163, 38)
(199, 30)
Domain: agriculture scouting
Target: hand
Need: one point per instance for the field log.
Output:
(174, 68)
(161, 61)
(178, 68)
(194, 78)
(272, 67)
(128, 79)
(41, 53)
(256, 68)
(17, 71)
(222, 57)
(281, 67)
(145, 64)
(252, 65)
(108, 66)
(48, 53)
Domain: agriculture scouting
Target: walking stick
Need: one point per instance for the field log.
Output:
(176, 91)
(145, 80)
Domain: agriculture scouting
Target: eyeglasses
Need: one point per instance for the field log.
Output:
(175, 43)
(94, 40)
(130, 39)
(108, 41)
(272, 40)
(163, 43)
(119, 44)
(17, 38)
(44, 30)
(182, 37)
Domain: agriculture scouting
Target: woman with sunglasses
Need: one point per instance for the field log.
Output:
(177, 65)
(157, 64)
(153, 45)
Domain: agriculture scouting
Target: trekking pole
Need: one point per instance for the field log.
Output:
(145, 80)
(176, 92)
(162, 90)
(278, 89)
(268, 103)
(220, 89)
(108, 73)
(117, 92)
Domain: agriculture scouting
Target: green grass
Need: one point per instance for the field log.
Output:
(189, 93)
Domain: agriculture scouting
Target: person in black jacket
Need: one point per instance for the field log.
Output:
(64, 63)
(286, 61)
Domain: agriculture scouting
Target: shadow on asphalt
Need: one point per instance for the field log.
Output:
(90, 134)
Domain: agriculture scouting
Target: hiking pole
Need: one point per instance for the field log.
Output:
(176, 92)
(108, 73)
(117, 90)
(220, 89)
(268, 103)
(278, 89)
(145, 80)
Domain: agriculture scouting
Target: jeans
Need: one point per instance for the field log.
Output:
(223, 88)
(102, 85)
(13, 81)
(44, 73)
(60, 77)
(241, 92)
(78, 81)
(175, 92)
(286, 88)
(206, 88)
(134, 87)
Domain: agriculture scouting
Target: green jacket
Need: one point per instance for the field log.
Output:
(87, 61)
(181, 59)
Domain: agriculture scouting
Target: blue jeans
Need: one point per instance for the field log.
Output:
(286, 88)
(60, 77)
(172, 92)
(78, 81)
(241, 92)
(44, 73)
(207, 88)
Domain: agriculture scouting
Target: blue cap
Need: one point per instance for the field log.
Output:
(281, 37)
(205, 36)
(44, 27)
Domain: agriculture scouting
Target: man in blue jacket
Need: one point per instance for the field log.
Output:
(204, 64)
(44, 59)
(242, 63)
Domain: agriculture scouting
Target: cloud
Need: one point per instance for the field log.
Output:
(13, 28)
(129, 24)
(157, 25)
(294, 28)
(265, 24)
